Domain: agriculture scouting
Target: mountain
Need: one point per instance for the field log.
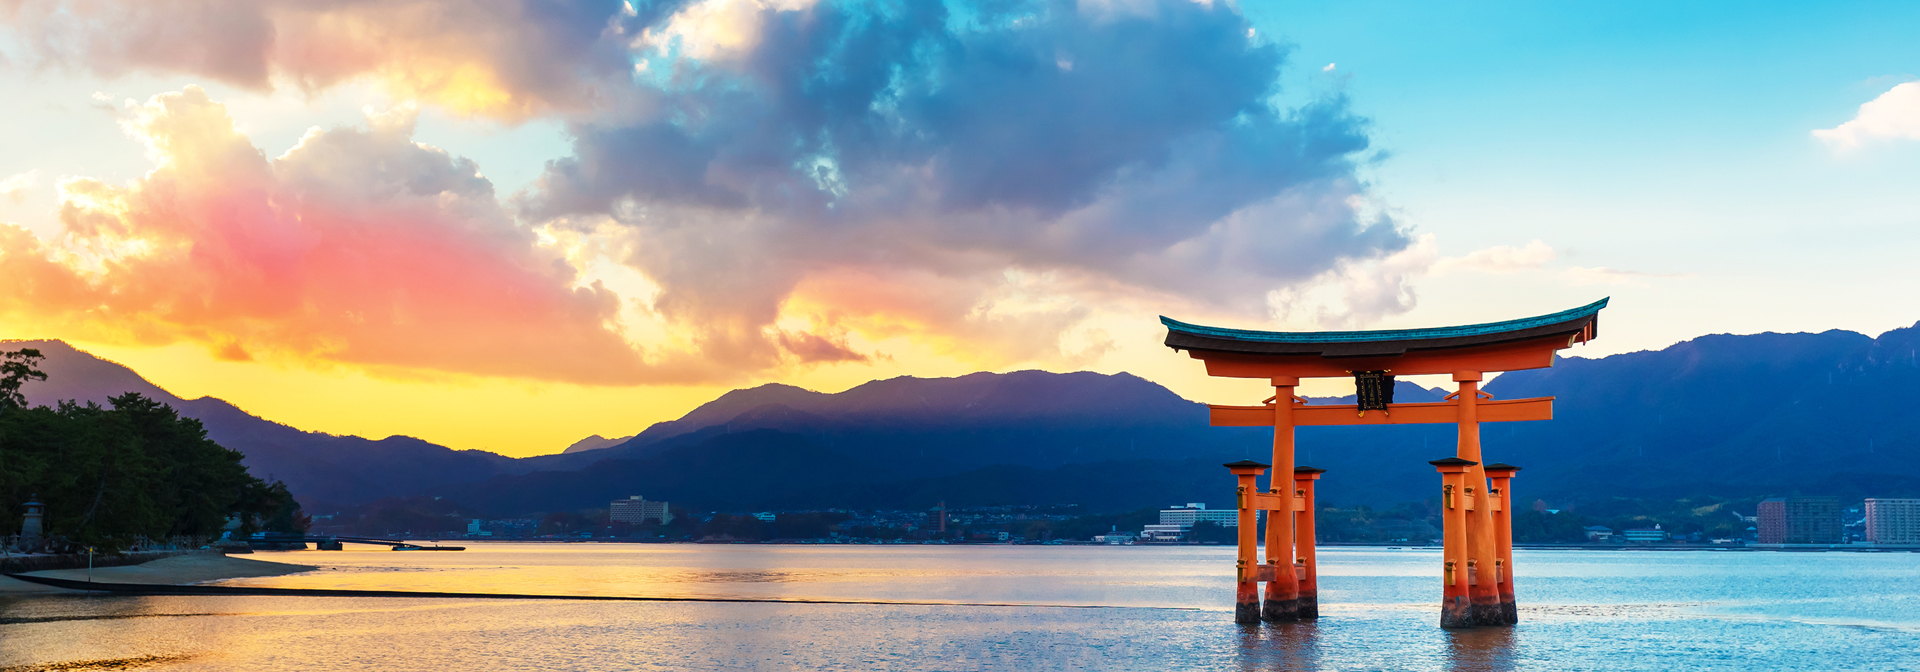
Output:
(946, 425)
(595, 442)
(318, 468)
(1828, 413)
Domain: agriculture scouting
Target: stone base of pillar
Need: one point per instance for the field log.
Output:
(1246, 604)
(1456, 612)
(1510, 611)
(1280, 610)
(1488, 613)
(1309, 606)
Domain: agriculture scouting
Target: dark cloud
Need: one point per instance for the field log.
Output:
(1138, 145)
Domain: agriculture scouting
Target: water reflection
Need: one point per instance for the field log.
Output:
(1280, 646)
(1480, 650)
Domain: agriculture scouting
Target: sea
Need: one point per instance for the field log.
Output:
(1025, 608)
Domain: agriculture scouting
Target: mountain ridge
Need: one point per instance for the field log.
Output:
(1736, 414)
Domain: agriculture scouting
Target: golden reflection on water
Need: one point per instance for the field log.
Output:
(738, 572)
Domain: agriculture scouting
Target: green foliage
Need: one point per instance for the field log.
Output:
(16, 368)
(736, 527)
(112, 475)
(1540, 527)
(1408, 522)
(1086, 527)
(1207, 530)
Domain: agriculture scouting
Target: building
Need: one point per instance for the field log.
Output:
(1165, 532)
(1195, 512)
(1177, 522)
(474, 529)
(1800, 520)
(1599, 533)
(1893, 521)
(1646, 534)
(637, 509)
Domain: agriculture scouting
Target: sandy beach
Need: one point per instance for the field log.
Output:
(176, 570)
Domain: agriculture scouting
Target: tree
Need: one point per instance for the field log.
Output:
(16, 368)
(111, 476)
(1207, 530)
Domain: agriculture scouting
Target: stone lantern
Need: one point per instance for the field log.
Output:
(32, 528)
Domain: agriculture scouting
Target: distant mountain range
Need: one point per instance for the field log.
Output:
(1828, 413)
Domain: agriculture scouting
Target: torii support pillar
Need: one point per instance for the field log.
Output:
(1482, 547)
(1283, 586)
(1308, 571)
(1502, 475)
(1246, 594)
(1456, 605)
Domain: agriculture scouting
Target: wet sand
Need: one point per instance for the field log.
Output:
(176, 570)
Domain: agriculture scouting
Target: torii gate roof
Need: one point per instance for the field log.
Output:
(1580, 323)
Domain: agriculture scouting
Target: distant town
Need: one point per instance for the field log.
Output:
(1799, 522)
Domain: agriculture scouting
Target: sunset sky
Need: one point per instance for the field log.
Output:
(508, 224)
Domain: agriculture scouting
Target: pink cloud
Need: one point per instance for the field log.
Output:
(357, 246)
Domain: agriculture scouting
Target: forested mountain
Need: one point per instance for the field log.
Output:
(319, 468)
(1828, 413)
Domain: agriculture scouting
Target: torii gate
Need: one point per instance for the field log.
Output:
(1478, 548)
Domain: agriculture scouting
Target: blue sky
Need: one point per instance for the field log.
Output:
(1667, 138)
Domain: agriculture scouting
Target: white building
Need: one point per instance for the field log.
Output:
(1177, 522)
(1195, 512)
(637, 509)
(1893, 521)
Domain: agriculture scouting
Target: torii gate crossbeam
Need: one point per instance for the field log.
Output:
(1477, 575)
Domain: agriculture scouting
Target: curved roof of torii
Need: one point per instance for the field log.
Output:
(1582, 321)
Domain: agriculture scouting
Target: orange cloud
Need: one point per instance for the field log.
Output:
(509, 59)
(357, 246)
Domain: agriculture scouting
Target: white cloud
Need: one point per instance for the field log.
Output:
(1601, 275)
(1893, 115)
(1499, 259)
(1359, 292)
(15, 188)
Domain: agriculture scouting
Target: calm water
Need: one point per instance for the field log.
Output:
(1171, 610)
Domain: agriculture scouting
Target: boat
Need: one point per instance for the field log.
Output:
(417, 547)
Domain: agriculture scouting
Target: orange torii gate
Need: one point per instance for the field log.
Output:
(1478, 548)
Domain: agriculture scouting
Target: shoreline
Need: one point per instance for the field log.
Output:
(180, 569)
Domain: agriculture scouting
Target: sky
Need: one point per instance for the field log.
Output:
(509, 224)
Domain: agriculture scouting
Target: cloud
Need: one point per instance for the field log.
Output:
(509, 59)
(812, 348)
(909, 148)
(1893, 115)
(1357, 292)
(1601, 275)
(1019, 163)
(356, 246)
(15, 187)
(1499, 259)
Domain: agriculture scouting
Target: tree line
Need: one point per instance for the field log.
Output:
(112, 476)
